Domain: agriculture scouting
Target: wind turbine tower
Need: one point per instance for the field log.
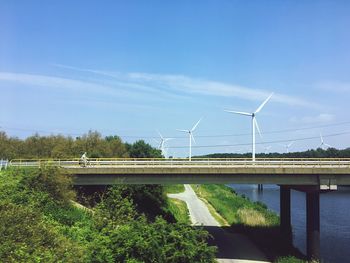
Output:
(254, 122)
(287, 146)
(190, 135)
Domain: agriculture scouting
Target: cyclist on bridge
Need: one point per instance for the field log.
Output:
(83, 160)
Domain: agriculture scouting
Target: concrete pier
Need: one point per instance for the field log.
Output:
(313, 224)
(285, 212)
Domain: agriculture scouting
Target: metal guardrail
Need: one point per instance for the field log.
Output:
(184, 162)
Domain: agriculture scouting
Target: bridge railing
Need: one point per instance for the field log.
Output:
(151, 162)
(3, 164)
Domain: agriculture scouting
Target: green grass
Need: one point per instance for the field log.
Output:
(234, 208)
(291, 259)
(179, 209)
(174, 188)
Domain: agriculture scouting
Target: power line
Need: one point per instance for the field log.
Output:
(245, 134)
(182, 137)
(267, 142)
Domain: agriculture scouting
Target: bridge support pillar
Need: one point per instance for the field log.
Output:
(313, 224)
(260, 187)
(285, 214)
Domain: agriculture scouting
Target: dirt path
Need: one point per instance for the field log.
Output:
(235, 248)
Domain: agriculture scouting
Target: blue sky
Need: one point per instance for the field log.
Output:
(132, 67)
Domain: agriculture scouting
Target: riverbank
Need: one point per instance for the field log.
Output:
(252, 219)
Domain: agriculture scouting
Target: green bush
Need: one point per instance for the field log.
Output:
(26, 238)
(40, 224)
(160, 241)
(51, 180)
(114, 209)
(290, 259)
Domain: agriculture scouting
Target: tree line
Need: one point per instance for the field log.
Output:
(59, 146)
(97, 146)
(311, 153)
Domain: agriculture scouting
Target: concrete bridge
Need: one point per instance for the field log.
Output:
(312, 176)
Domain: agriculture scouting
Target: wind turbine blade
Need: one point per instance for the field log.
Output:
(263, 104)
(289, 145)
(193, 138)
(168, 139)
(326, 144)
(156, 141)
(195, 126)
(239, 112)
(321, 138)
(257, 127)
(160, 135)
(183, 130)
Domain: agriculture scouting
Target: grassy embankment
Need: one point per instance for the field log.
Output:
(177, 207)
(252, 219)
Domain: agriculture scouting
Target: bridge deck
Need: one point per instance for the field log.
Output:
(325, 172)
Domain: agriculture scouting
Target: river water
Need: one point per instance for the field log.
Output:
(335, 218)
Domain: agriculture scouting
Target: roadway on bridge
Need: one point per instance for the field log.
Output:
(233, 248)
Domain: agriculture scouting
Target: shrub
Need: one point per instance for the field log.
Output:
(114, 208)
(25, 238)
(51, 180)
(160, 241)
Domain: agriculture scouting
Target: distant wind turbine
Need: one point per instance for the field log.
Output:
(267, 148)
(162, 144)
(287, 146)
(254, 122)
(190, 134)
(323, 145)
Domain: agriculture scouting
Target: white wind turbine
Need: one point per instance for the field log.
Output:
(162, 144)
(287, 146)
(323, 145)
(254, 122)
(190, 135)
(267, 148)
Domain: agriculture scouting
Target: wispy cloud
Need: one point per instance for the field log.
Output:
(150, 86)
(320, 118)
(181, 84)
(116, 89)
(334, 86)
(214, 88)
(55, 82)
